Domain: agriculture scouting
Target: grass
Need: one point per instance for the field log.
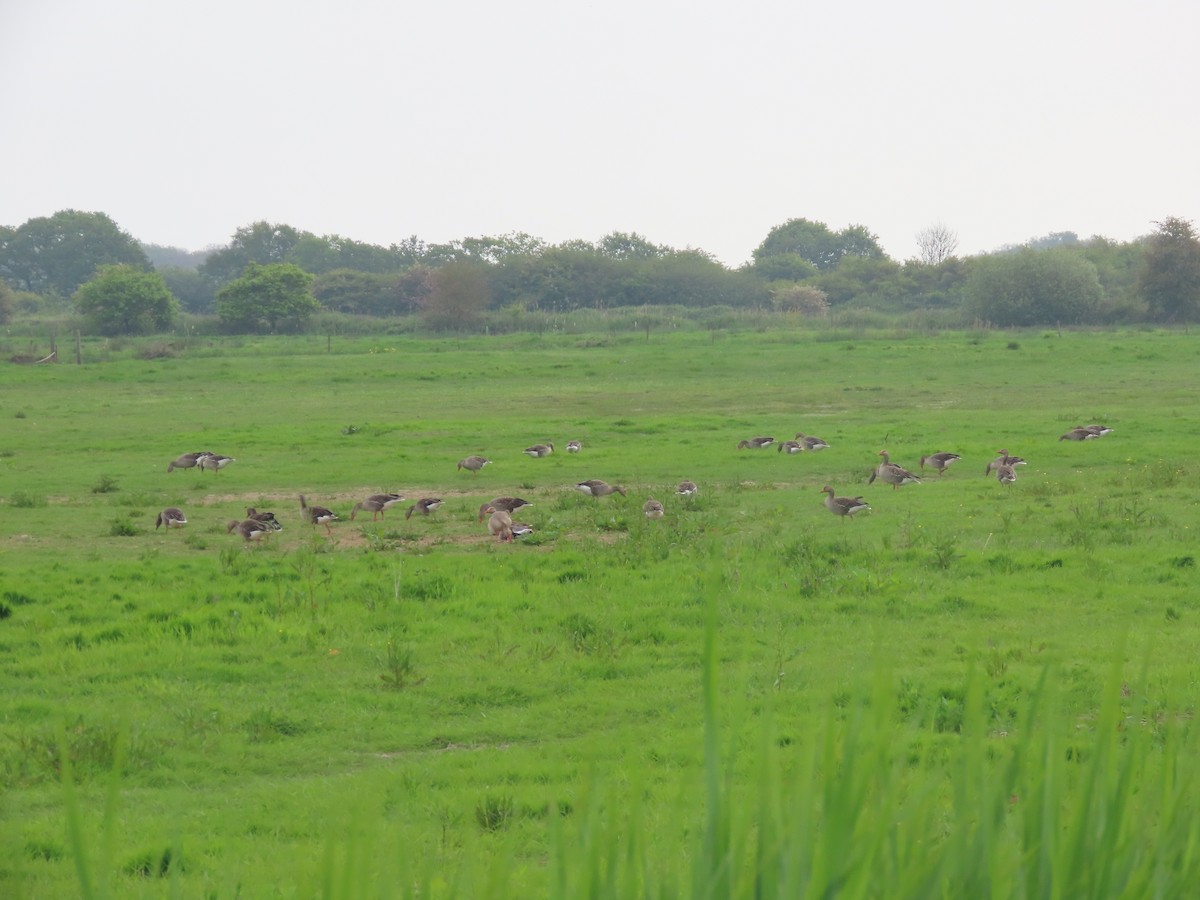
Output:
(747, 697)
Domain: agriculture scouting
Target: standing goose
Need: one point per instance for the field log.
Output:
(474, 463)
(1079, 434)
(186, 461)
(811, 443)
(1006, 474)
(171, 517)
(374, 507)
(1003, 460)
(250, 529)
(890, 473)
(593, 487)
(424, 506)
(843, 506)
(539, 450)
(756, 443)
(500, 524)
(790, 447)
(317, 515)
(686, 489)
(504, 504)
(214, 461)
(940, 461)
(653, 509)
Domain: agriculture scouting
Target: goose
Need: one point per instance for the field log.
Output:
(891, 473)
(595, 488)
(940, 461)
(1003, 460)
(317, 515)
(1079, 434)
(249, 529)
(790, 447)
(386, 501)
(653, 509)
(186, 461)
(374, 507)
(1006, 474)
(500, 525)
(1100, 430)
(686, 489)
(505, 504)
(264, 517)
(171, 517)
(474, 463)
(539, 450)
(843, 506)
(810, 442)
(214, 461)
(424, 506)
(756, 443)
(574, 446)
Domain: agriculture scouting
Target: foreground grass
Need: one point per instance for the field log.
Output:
(406, 703)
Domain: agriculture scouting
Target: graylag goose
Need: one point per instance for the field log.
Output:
(593, 487)
(171, 517)
(214, 462)
(1099, 430)
(843, 506)
(1006, 474)
(790, 447)
(756, 443)
(386, 501)
(574, 446)
(504, 504)
(317, 515)
(265, 517)
(424, 506)
(1079, 434)
(811, 443)
(940, 461)
(500, 524)
(474, 463)
(186, 461)
(652, 509)
(686, 489)
(1003, 460)
(890, 473)
(539, 450)
(250, 529)
(521, 529)
(374, 507)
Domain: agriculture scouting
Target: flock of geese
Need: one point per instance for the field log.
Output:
(256, 526)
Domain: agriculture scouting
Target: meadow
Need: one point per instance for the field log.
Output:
(973, 689)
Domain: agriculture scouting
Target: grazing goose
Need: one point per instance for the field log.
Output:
(686, 489)
(385, 501)
(504, 504)
(171, 517)
(595, 488)
(474, 463)
(264, 517)
(186, 461)
(317, 515)
(539, 450)
(790, 447)
(250, 529)
(653, 509)
(1079, 434)
(424, 506)
(1099, 430)
(374, 507)
(940, 461)
(500, 524)
(521, 529)
(756, 443)
(214, 462)
(810, 442)
(1003, 460)
(1006, 474)
(890, 473)
(843, 506)
(574, 446)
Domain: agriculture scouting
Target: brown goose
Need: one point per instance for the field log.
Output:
(474, 463)
(890, 473)
(317, 515)
(424, 506)
(186, 461)
(1003, 460)
(1006, 474)
(265, 517)
(940, 461)
(504, 504)
(686, 489)
(653, 509)
(249, 529)
(521, 529)
(843, 506)
(811, 443)
(500, 524)
(790, 447)
(374, 507)
(539, 450)
(214, 462)
(171, 517)
(386, 501)
(574, 446)
(595, 488)
(1100, 430)
(756, 443)
(1079, 434)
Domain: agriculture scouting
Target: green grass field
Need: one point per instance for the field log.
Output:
(971, 689)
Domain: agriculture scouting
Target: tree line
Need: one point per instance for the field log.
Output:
(272, 277)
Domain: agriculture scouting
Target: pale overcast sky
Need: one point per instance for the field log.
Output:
(692, 123)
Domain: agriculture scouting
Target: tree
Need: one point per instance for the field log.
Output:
(459, 294)
(1169, 280)
(813, 243)
(56, 254)
(936, 243)
(265, 296)
(195, 293)
(8, 302)
(262, 243)
(1033, 287)
(124, 299)
(366, 293)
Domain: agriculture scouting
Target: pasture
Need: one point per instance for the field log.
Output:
(951, 689)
